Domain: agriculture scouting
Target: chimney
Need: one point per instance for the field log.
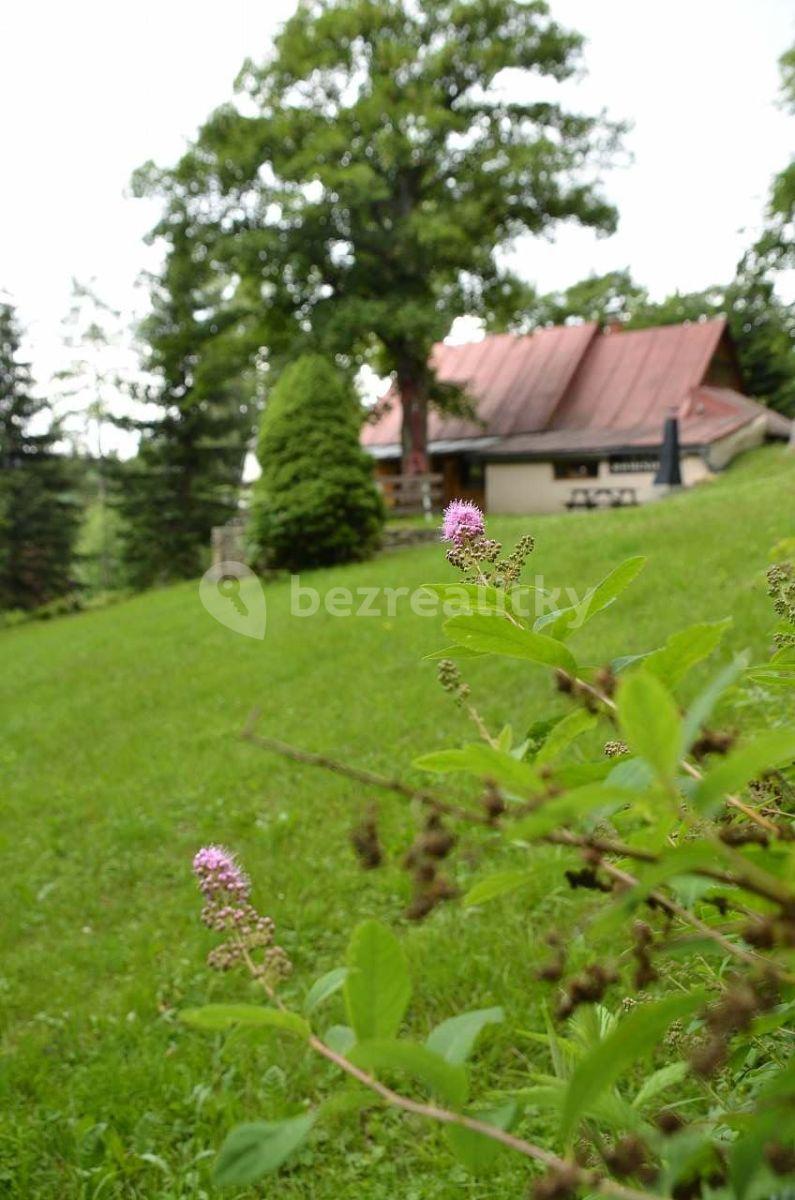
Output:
(670, 473)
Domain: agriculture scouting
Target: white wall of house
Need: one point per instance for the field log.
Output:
(531, 487)
(723, 451)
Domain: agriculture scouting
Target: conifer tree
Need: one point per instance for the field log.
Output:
(315, 503)
(186, 475)
(38, 513)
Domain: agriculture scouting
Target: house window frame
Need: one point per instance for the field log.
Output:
(571, 469)
(637, 464)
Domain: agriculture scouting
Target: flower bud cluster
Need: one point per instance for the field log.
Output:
(781, 588)
(450, 678)
(227, 909)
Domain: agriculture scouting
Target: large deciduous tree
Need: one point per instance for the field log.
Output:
(38, 511)
(376, 168)
(602, 298)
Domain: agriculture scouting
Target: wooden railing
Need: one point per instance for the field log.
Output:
(409, 495)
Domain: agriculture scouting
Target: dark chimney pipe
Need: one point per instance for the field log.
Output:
(670, 473)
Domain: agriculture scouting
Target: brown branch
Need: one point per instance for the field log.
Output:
(359, 775)
(734, 802)
(665, 902)
(432, 1112)
(756, 881)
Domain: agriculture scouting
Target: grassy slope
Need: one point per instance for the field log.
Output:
(119, 757)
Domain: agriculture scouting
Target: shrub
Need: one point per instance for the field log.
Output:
(669, 1001)
(316, 503)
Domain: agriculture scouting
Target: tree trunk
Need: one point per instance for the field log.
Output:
(414, 403)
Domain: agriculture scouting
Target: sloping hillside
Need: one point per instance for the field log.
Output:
(120, 756)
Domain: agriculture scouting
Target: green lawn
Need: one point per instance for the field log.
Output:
(120, 756)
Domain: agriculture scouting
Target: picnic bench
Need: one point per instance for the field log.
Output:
(409, 495)
(602, 497)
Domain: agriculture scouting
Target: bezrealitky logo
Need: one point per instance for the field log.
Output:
(233, 595)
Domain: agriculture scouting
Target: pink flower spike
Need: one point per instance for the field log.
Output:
(463, 521)
(218, 872)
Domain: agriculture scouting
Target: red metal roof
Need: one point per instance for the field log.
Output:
(572, 388)
(516, 383)
(637, 377)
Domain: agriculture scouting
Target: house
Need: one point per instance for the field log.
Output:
(577, 413)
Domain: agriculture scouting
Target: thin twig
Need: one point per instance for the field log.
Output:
(734, 802)
(359, 775)
(444, 1116)
(665, 902)
(748, 877)
(605, 1187)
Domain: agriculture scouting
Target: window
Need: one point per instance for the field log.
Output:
(471, 473)
(576, 468)
(628, 466)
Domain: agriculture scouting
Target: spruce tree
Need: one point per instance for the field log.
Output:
(186, 475)
(39, 516)
(315, 503)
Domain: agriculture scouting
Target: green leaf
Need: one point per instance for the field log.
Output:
(505, 739)
(340, 1038)
(632, 773)
(477, 597)
(684, 650)
(352, 1099)
(454, 1039)
(610, 1110)
(636, 1035)
(377, 988)
(578, 721)
(476, 1151)
(599, 598)
(650, 723)
(227, 1016)
(324, 987)
(747, 1154)
(259, 1149)
(658, 1081)
(455, 652)
(770, 750)
(783, 1014)
(571, 807)
(497, 635)
(625, 661)
(499, 884)
(447, 1081)
(701, 708)
(485, 762)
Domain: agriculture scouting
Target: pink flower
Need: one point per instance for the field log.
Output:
(218, 872)
(463, 521)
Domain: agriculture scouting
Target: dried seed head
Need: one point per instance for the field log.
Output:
(437, 844)
(559, 1183)
(586, 877)
(606, 681)
(366, 842)
(668, 1122)
(780, 1158)
(712, 741)
(627, 1157)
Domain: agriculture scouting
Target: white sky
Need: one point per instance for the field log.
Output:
(91, 89)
